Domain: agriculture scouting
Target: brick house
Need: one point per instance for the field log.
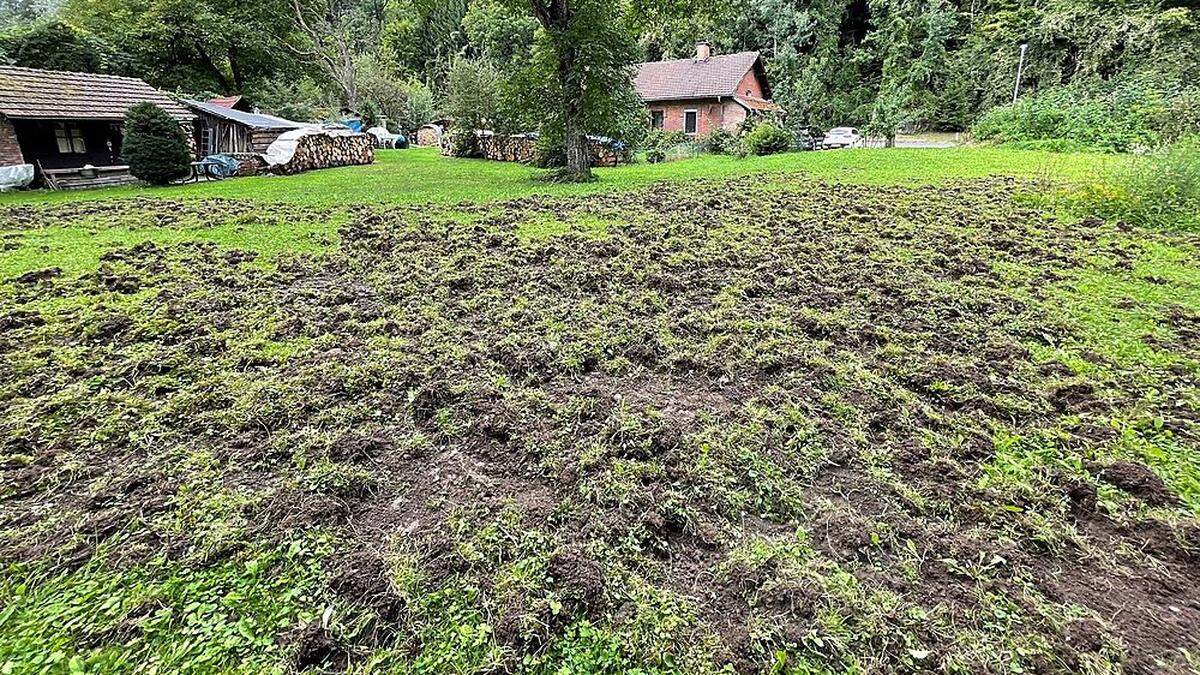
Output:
(702, 94)
(60, 122)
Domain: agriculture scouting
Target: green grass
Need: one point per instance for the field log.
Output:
(76, 248)
(422, 175)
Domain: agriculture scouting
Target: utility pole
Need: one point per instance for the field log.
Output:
(1020, 72)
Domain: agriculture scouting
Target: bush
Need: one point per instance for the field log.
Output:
(767, 138)
(156, 146)
(1161, 190)
(1113, 117)
(663, 145)
(719, 142)
(1058, 145)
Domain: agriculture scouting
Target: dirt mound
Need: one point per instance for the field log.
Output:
(363, 578)
(1138, 480)
(579, 580)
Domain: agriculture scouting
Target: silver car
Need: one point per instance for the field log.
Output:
(843, 137)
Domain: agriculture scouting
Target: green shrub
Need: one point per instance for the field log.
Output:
(156, 146)
(1113, 117)
(1059, 145)
(767, 138)
(663, 145)
(1160, 190)
(719, 142)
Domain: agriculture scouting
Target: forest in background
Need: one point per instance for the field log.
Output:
(880, 64)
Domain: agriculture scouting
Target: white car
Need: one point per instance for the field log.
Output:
(843, 137)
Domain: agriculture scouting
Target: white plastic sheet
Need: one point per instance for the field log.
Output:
(16, 176)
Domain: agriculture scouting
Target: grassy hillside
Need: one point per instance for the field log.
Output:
(907, 421)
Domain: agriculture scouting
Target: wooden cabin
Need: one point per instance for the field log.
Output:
(69, 125)
(222, 130)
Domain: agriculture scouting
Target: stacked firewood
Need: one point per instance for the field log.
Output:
(321, 151)
(249, 164)
(522, 148)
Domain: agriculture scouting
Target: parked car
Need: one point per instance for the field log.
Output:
(843, 137)
(809, 138)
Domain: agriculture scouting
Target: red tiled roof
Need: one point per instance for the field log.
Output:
(225, 101)
(754, 103)
(691, 78)
(28, 93)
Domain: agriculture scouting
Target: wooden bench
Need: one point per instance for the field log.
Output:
(87, 177)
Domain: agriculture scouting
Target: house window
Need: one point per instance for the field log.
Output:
(690, 120)
(70, 140)
(656, 119)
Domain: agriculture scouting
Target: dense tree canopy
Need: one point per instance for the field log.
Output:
(881, 64)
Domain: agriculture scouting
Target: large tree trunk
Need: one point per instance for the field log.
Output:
(205, 61)
(556, 16)
(579, 161)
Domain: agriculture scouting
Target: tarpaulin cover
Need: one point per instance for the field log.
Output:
(16, 176)
(223, 165)
(284, 148)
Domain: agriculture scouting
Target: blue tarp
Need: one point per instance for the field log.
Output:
(221, 165)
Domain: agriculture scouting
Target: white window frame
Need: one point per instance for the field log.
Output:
(696, 130)
(68, 137)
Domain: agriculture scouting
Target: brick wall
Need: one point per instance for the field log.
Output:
(750, 86)
(710, 115)
(10, 150)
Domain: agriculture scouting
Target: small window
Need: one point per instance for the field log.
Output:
(656, 119)
(689, 122)
(70, 140)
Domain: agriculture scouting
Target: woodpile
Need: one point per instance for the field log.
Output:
(522, 148)
(249, 164)
(322, 151)
(430, 136)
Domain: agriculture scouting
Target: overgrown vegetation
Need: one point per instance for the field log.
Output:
(1115, 117)
(1159, 190)
(763, 424)
(880, 65)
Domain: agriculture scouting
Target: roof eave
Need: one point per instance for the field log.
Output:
(700, 97)
(100, 118)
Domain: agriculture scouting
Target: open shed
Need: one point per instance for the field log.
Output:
(60, 121)
(230, 131)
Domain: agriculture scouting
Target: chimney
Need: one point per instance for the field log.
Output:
(703, 50)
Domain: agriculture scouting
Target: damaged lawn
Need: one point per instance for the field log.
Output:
(753, 425)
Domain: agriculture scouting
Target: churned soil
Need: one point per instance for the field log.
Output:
(826, 422)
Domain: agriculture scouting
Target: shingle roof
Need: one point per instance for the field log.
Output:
(755, 103)
(225, 101)
(248, 119)
(692, 78)
(28, 93)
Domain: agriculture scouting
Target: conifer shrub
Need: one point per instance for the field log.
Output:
(155, 146)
